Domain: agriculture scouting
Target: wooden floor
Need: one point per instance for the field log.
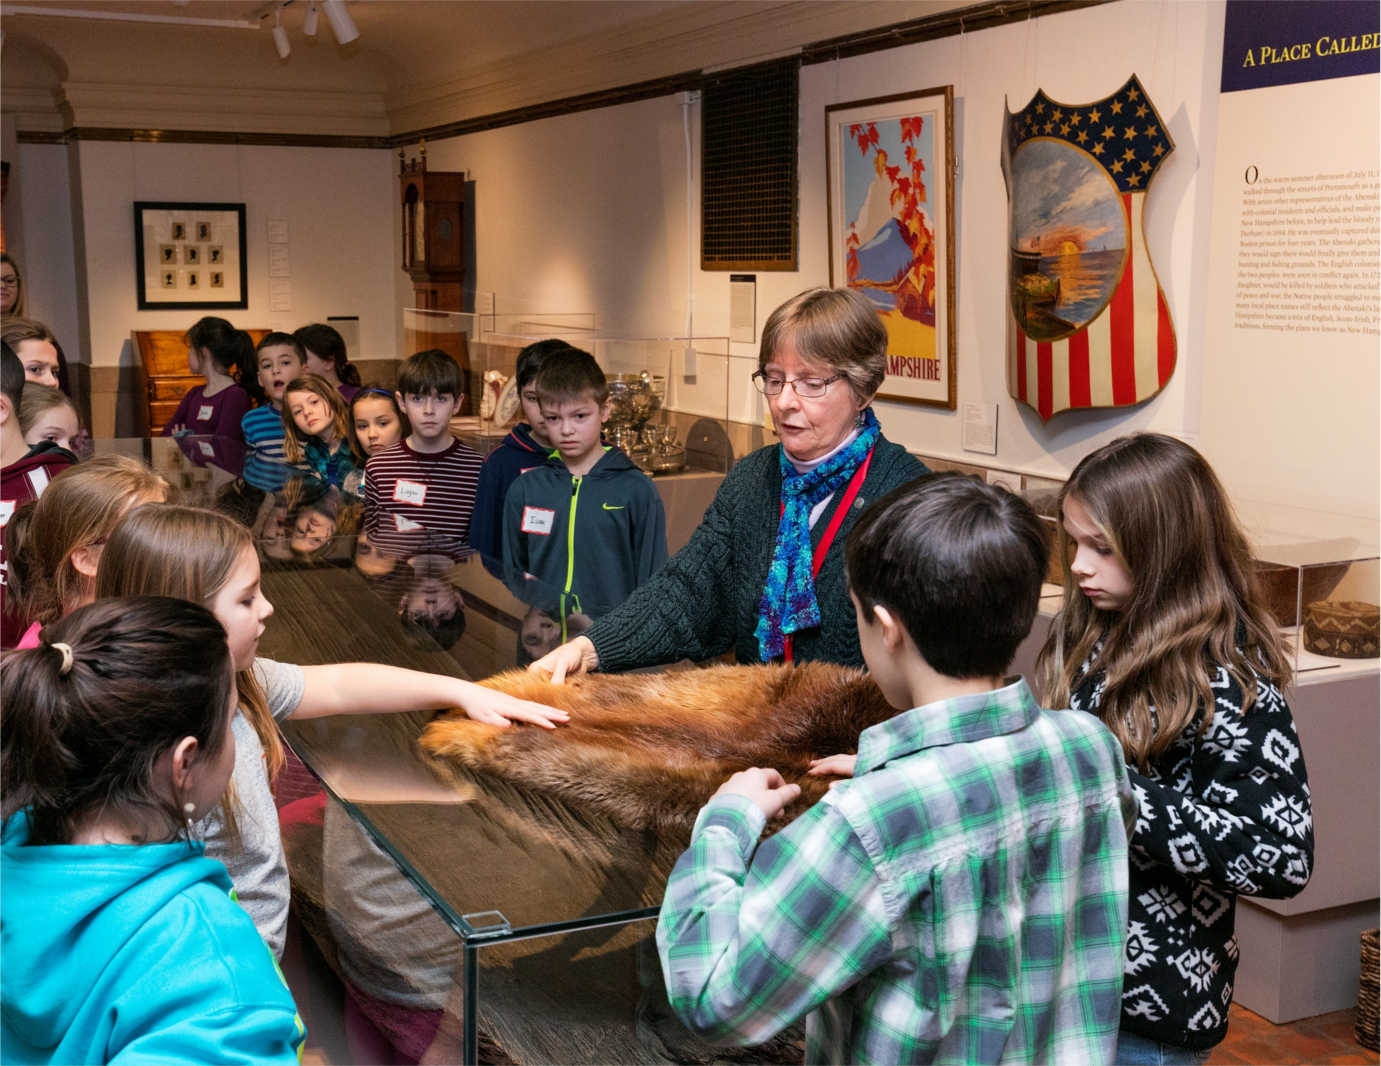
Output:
(1325, 1039)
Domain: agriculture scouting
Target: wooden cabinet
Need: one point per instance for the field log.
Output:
(163, 357)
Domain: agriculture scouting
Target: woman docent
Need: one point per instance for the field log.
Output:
(763, 573)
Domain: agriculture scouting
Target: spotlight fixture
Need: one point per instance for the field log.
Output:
(309, 22)
(342, 25)
(280, 36)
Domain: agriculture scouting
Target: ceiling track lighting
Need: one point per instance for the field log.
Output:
(280, 36)
(342, 25)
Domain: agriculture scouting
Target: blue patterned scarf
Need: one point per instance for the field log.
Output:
(788, 600)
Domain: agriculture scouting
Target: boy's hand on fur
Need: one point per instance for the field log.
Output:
(764, 786)
(498, 708)
(576, 656)
(833, 766)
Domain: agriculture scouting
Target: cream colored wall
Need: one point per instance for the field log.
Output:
(342, 250)
(38, 227)
(588, 211)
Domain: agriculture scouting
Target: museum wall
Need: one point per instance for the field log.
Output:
(611, 229)
(588, 212)
(611, 237)
(342, 253)
(38, 231)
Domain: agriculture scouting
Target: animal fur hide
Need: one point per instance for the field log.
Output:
(647, 750)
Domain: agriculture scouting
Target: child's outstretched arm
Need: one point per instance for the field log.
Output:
(373, 688)
(740, 962)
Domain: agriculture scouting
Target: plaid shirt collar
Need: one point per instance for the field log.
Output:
(960, 720)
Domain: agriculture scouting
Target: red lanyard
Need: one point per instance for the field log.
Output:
(831, 530)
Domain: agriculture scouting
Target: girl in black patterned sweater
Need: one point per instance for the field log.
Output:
(1164, 637)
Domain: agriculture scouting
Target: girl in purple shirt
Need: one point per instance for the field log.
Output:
(219, 351)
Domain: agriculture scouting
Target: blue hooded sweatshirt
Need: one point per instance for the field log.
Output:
(519, 452)
(133, 954)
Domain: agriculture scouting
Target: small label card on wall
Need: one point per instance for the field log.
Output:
(743, 313)
(980, 428)
(280, 294)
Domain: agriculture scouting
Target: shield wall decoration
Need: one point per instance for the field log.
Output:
(1087, 323)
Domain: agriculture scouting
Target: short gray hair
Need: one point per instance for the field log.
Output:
(838, 327)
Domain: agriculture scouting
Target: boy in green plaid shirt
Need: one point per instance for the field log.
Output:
(964, 897)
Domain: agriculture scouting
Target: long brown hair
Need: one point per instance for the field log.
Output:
(167, 550)
(81, 508)
(1194, 601)
(110, 688)
(294, 440)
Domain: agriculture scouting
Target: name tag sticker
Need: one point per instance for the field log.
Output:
(538, 520)
(405, 525)
(6, 509)
(204, 412)
(413, 492)
(207, 448)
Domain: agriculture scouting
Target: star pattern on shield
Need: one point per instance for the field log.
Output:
(1122, 131)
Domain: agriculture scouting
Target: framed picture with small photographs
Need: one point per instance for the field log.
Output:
(189, 236)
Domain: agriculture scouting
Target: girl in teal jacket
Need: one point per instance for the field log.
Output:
(122, 941)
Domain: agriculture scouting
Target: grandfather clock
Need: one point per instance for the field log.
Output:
(433, 234)
(434, 254)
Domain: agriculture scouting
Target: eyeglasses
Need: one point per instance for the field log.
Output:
(806, 388)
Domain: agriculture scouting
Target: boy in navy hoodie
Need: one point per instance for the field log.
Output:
(587, 527)
(525, 446)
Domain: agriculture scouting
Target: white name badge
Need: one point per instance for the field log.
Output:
(413, 492)
(405, 525)
(6, 509)
(204, 412)
(207, 449)
(538, 520)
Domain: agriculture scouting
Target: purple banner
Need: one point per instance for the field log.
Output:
(1282, 42)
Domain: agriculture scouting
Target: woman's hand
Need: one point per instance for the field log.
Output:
(833, 766)
(498, 708)
(576, 656)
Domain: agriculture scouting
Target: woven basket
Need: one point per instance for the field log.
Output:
(1367, 1002)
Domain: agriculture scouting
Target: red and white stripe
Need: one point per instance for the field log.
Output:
(1122, 357)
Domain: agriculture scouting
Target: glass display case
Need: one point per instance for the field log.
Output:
(1320, 574)
(467, 918)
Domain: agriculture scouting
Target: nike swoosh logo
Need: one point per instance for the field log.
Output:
(608, 508)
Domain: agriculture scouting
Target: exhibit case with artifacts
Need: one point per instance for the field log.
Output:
(1322, 587)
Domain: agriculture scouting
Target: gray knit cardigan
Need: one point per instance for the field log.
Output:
(704, 601)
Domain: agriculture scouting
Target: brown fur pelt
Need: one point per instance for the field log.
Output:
(647, 750)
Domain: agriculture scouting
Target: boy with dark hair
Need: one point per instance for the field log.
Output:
(24, 474)
(278, 358)
(525, 447)
(587, 527)
(421, 491)
(964, 897)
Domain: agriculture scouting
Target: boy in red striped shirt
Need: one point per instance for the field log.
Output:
(419, 494)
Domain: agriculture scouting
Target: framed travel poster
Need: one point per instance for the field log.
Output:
(173, 241)
(890, 182)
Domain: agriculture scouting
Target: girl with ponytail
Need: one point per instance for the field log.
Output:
(123, 940)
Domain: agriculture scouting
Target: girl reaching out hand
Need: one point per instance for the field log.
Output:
(206, 557)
